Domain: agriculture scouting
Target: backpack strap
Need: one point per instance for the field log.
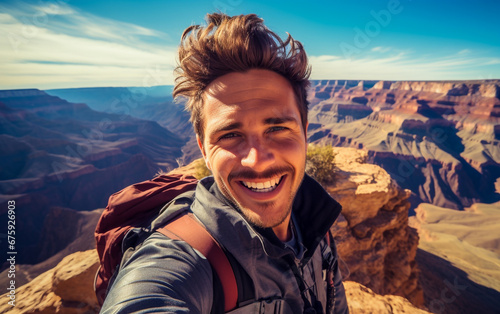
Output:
(330, 285)
(187, 228)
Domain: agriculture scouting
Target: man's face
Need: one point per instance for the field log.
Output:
(255, 143)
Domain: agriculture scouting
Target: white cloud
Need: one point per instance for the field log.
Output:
(381, 49)
(401, 66)
(492, 61)
(58, 46)
(54, 8)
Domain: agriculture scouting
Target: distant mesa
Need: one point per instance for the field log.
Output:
(62, 154)
(434, 137)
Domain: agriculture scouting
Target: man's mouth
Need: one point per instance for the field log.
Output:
(263, 187)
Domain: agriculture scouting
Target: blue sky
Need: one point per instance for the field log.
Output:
(84, 43)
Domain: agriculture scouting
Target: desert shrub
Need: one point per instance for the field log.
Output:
(320, 163)
(201, 169)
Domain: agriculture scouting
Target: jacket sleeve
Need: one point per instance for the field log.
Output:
(164, 276)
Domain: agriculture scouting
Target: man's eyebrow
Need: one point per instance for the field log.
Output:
(268, 121)
(227, 127)
(279, 120)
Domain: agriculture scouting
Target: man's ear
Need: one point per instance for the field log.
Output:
(305, 133)
(200, 145)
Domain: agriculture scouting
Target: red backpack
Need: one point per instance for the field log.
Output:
(134, 207)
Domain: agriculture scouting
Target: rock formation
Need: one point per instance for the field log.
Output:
(372, 234)
(61, 154)
(434, 138)
(67, 288)
(153, 103)
(362, 300)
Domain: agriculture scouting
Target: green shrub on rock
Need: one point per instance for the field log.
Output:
(320, 163)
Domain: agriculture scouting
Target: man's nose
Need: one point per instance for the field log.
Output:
(258, 156)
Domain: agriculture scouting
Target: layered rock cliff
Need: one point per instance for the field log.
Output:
(434, 138)
(64, 232)
(373, 236)
(61, 154)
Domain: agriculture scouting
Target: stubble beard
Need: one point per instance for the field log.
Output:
(252, 218)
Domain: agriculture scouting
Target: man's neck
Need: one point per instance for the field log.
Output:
(282, 231)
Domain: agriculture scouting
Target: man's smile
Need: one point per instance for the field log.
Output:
(263, 187)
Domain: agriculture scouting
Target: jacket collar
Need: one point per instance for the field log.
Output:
(314, 209)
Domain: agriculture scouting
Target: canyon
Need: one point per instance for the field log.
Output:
(440, 140)
(57, 154)
(429, 211)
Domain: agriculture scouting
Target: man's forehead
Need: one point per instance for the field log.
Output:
(255, 96)
(254, 113)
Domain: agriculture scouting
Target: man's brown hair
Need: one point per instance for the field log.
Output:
(236, 44)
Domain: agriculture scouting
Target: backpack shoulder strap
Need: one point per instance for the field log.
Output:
(187, 228)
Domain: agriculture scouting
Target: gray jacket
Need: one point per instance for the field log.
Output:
(168, 276)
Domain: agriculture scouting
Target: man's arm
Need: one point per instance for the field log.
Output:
(164, 275)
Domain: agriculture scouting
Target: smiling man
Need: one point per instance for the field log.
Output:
(255, 145)
(246, 91)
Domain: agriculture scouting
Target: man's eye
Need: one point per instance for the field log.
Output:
(276, 129)
(228, 136)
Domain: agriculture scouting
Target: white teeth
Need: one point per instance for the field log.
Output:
(262, 186)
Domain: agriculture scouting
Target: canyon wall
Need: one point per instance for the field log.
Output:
(438, 139)
(372, 234)
(61, 154)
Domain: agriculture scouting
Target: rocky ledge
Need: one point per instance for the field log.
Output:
(372, 234)
(67, 288)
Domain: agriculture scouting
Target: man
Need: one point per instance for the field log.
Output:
(246, 91)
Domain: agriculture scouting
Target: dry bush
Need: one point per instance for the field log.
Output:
(201, 169)
(320, 163)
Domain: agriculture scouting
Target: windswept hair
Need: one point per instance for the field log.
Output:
(236, 44)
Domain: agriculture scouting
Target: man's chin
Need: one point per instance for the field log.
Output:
(264, 215)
